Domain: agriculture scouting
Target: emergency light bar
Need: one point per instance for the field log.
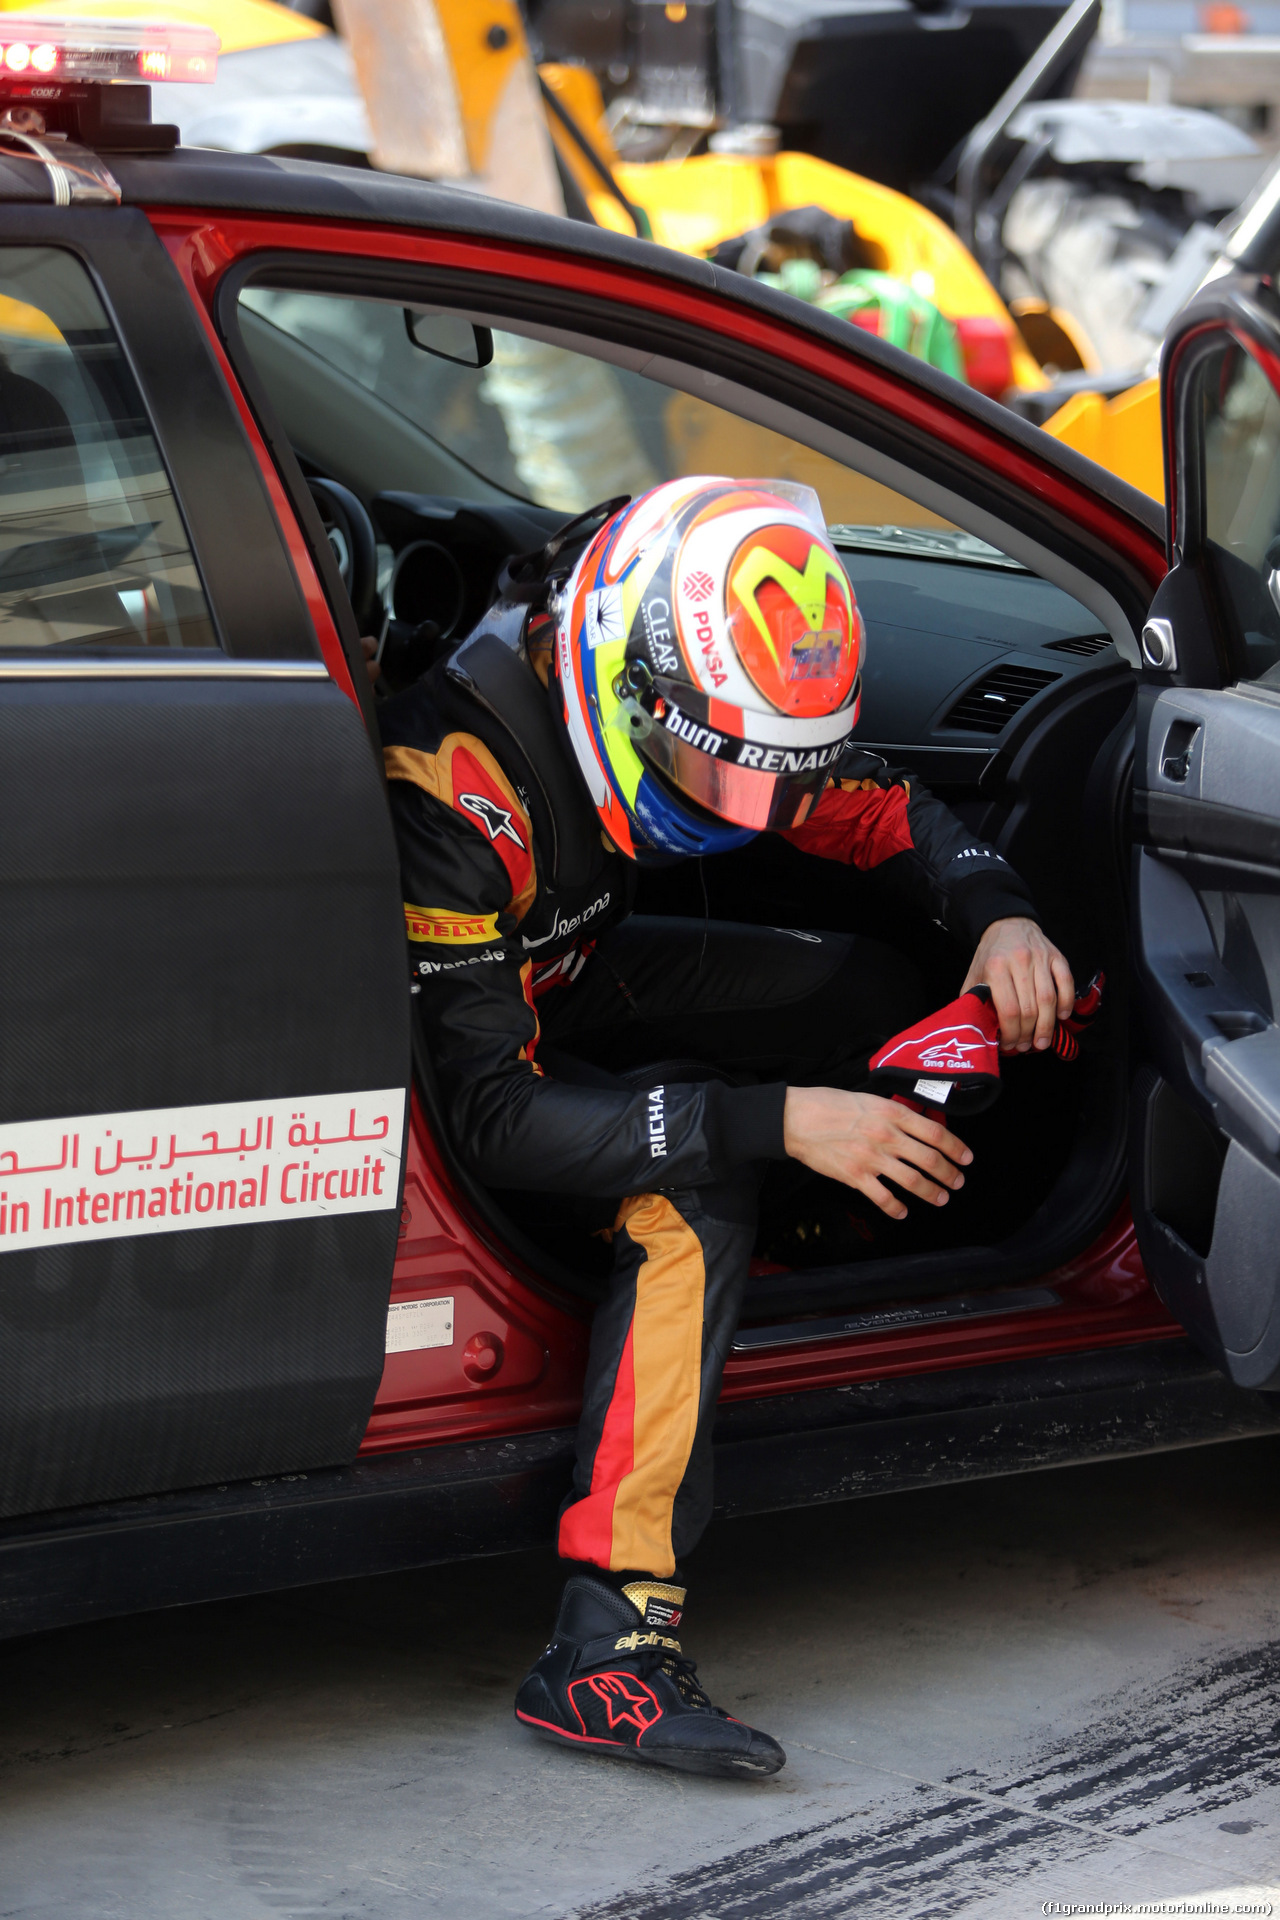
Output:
(34, 50)
(86, 80)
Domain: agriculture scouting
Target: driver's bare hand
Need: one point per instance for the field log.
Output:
(863, 1140)
(369, 648)
(1030, 982)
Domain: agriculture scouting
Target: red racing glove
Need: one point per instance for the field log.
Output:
(1066, 1035)
(950, 1060)
(949, 1063)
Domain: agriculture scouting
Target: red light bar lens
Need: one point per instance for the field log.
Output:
(104, 50)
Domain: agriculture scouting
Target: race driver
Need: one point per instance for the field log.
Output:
(691, 683)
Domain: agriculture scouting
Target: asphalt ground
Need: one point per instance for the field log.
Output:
(1063, 1687)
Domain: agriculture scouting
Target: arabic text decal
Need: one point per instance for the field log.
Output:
(106, 1175)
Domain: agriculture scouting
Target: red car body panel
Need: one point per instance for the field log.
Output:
(540, 1346)
(517, 1356)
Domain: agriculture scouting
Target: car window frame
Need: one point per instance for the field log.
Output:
(103, 448)
(255, 600)
(1189, 547)
(709, 364)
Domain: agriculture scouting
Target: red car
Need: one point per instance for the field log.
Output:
(253, 409)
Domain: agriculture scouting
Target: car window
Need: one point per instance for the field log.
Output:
(539, 423)
(93, 554)
(1235, 426)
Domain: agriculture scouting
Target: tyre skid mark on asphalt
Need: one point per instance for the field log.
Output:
(1195, 1742)
(1201, 1739)
(934, 1861)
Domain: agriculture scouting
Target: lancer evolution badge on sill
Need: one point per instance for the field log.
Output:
(107, 1175)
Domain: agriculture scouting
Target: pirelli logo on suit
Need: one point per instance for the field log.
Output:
(441, 928)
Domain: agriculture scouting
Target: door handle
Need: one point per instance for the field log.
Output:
(1243, 1078)
(1175, 755)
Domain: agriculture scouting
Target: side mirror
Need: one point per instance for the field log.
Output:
(449, 337)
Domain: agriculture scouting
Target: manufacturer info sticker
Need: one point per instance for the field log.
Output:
(934, 1090)
(107, 1175)
(414, 1324)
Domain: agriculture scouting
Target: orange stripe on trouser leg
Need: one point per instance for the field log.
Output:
(586, 1528)
(666, 1367)
(667, 1338)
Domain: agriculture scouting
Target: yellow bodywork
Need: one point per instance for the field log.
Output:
(485, 39)
(18, 321)
(690, 205)
(694, 204)
(1123, 435)
(241, 24)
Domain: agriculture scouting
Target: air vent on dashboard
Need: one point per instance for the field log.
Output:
(990, 703)
(1081, 643)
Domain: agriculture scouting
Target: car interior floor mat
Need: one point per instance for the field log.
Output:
(1019, 1147)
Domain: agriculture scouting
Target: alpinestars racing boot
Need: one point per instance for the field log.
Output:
(614, 1681)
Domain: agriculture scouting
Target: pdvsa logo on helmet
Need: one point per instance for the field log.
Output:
(700, 628)
(110, 1176)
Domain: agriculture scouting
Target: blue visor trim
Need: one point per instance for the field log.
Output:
(667, 826)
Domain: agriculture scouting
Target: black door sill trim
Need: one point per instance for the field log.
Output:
(439, 1504)
(912, 1313)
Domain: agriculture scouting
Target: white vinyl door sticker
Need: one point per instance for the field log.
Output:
(415, 1324)
(107, 1175)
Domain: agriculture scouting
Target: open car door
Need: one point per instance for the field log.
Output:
(204, 1012)
(1206, 820)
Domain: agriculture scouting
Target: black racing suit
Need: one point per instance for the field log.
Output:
(553, 1019)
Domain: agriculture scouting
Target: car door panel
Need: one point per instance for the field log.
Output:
(199, 905)
(1206, 912)
(205, 909)
(1206, 877)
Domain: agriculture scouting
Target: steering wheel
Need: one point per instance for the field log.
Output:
(355, 546)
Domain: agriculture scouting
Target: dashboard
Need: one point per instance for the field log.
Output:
(448, 553)
(956, 651)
